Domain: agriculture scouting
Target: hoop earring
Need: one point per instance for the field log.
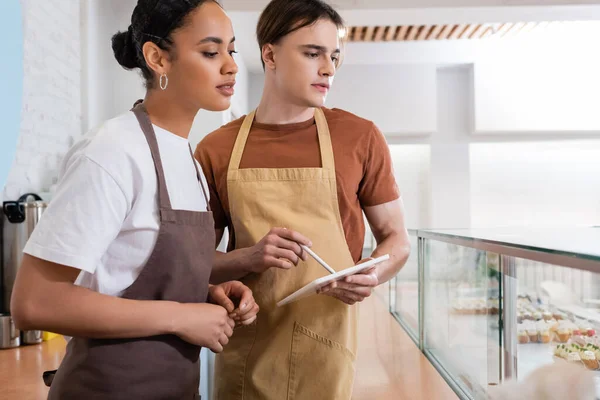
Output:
(164, 81)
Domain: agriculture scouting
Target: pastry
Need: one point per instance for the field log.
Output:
(533, 335)
(558, 350)
(591, 332)
(494, 306)
(573, 357)
(481, 309)
(547, 316)
(595, 349)
(561, 351)
(589, 359)
(545, 336)
(557, 316)
(523, 337)
(580, 340)
(537, 316)
(563, 335)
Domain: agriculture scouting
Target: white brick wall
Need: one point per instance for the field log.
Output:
(51, 114)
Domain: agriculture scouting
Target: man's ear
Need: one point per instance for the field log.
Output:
(268, 56)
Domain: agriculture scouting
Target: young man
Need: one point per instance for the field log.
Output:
(293, 173)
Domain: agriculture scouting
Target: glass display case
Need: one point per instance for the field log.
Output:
(493, 305)
(404, 292)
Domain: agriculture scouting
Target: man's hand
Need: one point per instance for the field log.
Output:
(280, 248)
(237, 299)
(355, 288)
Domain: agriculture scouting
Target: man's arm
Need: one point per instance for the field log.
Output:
(227, 266)
(387, 224)
(280, 248)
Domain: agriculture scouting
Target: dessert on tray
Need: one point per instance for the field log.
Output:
(587, 355)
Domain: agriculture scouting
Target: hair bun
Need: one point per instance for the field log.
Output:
(124, 49)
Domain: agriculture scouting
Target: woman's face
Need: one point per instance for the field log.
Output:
(305, 63)
(202, 67)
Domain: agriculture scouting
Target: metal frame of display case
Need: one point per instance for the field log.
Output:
(508, 252)
(414, 335)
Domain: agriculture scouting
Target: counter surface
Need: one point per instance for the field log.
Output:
(21, 369)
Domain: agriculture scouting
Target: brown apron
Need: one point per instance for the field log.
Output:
(304, 350)
(158, 367)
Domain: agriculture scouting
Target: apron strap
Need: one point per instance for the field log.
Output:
(327, 160)
(200, 181)
(240, 142)
(139, 110)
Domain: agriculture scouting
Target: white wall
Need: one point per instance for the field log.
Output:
(257, 81)
(387, 94)
(530, 96)
(540, 184)
(113, 90)
(51, 114)
(542, 82)
(412, 171)
(450, 204)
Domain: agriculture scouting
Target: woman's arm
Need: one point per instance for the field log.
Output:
(46, 298)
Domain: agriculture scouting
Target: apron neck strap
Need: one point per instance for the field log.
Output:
(163, 194)
(327, 160)
(142, 116)
(199, 177)
(325, 145)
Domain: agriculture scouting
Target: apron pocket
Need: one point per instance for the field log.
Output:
(319, 367)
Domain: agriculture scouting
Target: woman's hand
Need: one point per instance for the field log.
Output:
(237, 299)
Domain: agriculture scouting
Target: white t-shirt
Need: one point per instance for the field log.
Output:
(103, 218)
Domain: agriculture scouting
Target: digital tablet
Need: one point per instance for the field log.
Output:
(313, 286)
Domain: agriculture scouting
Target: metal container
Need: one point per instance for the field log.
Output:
(19, 219)
(31, 337)
(9, 335)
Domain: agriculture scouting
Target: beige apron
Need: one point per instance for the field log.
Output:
(304, 350)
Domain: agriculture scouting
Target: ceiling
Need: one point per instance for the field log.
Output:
(408, 33)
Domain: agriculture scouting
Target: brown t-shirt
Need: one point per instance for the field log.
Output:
(363, 164)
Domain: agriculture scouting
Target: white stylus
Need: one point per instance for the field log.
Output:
(318, 259)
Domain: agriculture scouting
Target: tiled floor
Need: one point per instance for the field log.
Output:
(390, 365)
